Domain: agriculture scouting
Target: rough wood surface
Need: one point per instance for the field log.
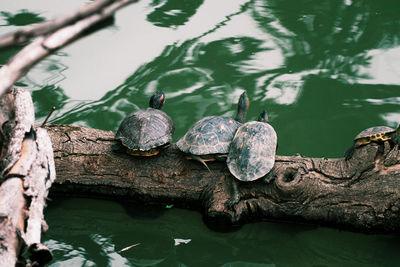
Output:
(26, 173)
(362, 193)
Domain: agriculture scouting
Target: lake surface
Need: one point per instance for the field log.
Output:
(324, 70)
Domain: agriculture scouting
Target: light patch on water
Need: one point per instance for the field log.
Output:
(240, 25)
(372, 101)
(198, 78)
(383, 67)
(70, 255)
(261, 61)
(179, 241)
(285, 89)
(130, 43)
(173, 12)
(384, 101)
(391, 118)
(108, 248)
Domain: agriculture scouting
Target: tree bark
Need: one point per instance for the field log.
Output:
(361, 193)
(26, 174)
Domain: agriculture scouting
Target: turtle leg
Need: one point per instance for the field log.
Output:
(235, 197)
(118, 147)
(268, 177)
(199, 159)
(221, 157)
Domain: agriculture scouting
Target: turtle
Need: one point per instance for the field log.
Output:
(209, 138)
(145, 132)
(251, 153)
(252, 150)
(374, 134)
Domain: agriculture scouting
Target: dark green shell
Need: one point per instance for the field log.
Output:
(145, 129)
(210, 135)
(252, 151)
(373, 131)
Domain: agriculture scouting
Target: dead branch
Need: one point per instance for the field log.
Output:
(27, 33)
(45, 45)
(27, 172)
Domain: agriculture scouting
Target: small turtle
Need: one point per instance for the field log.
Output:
(144, 132)
(252, 151)
(373, 134)
(209, 138)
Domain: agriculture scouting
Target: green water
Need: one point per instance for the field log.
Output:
(324, 70)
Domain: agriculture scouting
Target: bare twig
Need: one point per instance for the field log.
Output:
(43, 46)
(27, 33)
(129, 247)
(48, 116)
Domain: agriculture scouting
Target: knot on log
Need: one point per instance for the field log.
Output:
(288, 180)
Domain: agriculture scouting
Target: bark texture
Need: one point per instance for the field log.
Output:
(26, 173)
(362, 193)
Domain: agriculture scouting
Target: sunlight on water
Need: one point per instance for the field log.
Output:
(384, 67)
(392, 119)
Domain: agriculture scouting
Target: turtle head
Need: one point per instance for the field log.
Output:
(263, 117)
(157, 100)
(243, 106)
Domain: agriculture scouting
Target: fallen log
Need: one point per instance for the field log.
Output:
(362, 193)
(26, 173)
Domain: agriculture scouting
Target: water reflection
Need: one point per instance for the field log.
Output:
(333, 36)
(22, 18)
(303, 66)
(97, 238)
(213, 68)
(172, 13)
(52, 96)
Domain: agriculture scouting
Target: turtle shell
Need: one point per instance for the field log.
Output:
(252, 151)
(145, 129)
(210, 135)
(374, 131)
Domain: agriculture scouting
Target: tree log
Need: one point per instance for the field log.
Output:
(26, 172)
(361, 193)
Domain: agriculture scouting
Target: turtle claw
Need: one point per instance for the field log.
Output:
(199, 159)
